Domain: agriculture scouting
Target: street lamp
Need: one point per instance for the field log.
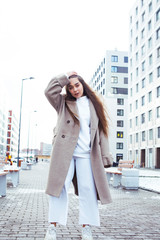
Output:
(19, 135)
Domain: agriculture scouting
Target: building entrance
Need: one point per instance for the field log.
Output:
(143, 158)
(158, 158)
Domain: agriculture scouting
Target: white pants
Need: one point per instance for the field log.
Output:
(88, 204)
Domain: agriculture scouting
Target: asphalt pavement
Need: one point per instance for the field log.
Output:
(133, 214)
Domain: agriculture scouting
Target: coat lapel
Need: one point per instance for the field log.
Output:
(73, 107)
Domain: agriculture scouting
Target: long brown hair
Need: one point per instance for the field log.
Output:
(97, 103)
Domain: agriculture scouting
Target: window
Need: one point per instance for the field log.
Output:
(136, 137)
(114, 79)
(142, 33)
(137, 71)
(136, 121)
(158, 132)
(143, 136)
(136, 104)
(131, 62)
(137, 25)
(143, 100)
(158, 112)
(119, 134)
(143, 16)
(158, 52)
(114, 69)
(158, 33)
(120, 123)
(130, 19)
(130, 107)
(136, 56)
(150, 96)
(123, 91)
(158, 71)
(119, 156)
(150, 77)
(119, 145)
(136, 41)
(120, 112)
(143, 50)
(114, 58)
(130, 139)
(131, 92)
(158, 91)
(125, 59)
(150, 134)
(143, 66)
(149, 115)
(150, 7)
(130, 123)
(120, 101)
(143, 82)
(150, 42)
(149, 25)
(142, 3)
(150, 59)
(130, 47)
(125, 80)
(143, 118)
(103, 80)
(158, 14)
(103, 91)
(114, 90)
(136, 10)
(137, 87)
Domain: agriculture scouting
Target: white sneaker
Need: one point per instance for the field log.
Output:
(51, 233)
(86, 233)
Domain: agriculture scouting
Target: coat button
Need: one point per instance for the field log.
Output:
(68, 121)
(63, 136)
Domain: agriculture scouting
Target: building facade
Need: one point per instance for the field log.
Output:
(111, 81)
(12, 135)
(144, 84)
(45, 149)
(3, 121)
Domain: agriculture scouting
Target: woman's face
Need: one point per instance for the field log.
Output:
(75, 87)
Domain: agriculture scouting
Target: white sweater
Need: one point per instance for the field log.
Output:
(82, 148)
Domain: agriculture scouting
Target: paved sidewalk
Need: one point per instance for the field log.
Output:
(24, 212)
(150, 180)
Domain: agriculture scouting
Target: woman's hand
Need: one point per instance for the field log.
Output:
(71, 73)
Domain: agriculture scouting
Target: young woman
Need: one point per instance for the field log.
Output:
(80, 153)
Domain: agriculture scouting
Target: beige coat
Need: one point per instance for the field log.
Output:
(65, 139)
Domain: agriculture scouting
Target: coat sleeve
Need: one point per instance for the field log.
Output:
(54, 89)
(106, 155)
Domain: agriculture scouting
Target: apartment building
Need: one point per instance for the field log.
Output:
(144, 84)
(12, 135)
(3, 121)
(45, 149)
(111, 81)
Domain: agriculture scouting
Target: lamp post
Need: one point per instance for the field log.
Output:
(19, 135)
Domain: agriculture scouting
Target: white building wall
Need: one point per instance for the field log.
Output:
(3, 121)
(144, 82)
(102, 82)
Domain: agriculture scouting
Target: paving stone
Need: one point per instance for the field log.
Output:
(131, 215)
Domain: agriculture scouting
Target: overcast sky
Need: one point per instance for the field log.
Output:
(43, 38)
